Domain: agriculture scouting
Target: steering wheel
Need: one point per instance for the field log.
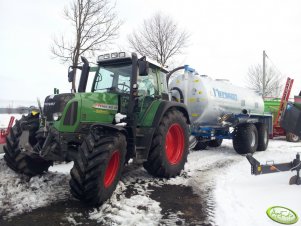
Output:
(125, 87)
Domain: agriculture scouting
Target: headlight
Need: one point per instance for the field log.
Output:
(56, 116)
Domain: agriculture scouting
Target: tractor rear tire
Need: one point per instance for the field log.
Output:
(97, 168)
(215, 143)
(245, 138)
(263, 136)
(290, 137)
(200, 146)
(170, 146)
(18, 160)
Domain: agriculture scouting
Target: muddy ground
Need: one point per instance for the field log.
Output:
(180, 201)
(172, 198)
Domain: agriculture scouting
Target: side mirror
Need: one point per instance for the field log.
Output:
(143, 67)
(70, 75)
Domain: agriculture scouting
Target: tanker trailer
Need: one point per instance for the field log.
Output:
(220, 110)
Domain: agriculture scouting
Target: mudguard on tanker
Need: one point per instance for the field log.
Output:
(216, 105)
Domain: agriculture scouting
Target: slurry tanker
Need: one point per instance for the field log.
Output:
(220, 110)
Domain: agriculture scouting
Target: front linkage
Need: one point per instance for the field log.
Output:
(270, 167)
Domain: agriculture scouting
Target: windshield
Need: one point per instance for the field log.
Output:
(114, 78)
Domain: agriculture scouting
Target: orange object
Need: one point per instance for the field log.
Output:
(273, 168)
(5, 132)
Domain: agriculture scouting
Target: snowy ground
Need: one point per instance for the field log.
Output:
(220, 181)
(242, 199)
(4, 119)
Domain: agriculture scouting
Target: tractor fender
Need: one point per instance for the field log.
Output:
(167, 105)
(109, 127)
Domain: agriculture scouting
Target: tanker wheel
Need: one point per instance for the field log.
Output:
(263, 136)
(97, 167)
(170, 146)
(215, 143)
(290, 137)
(245, 138)
(18, 160)
(200, 146)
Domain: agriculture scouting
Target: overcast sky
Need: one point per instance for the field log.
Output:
(227, 37)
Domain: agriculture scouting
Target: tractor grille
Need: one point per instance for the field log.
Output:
(55, 104)
(71, 114)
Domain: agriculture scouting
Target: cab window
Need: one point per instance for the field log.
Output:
(115, 79)
(147, 85)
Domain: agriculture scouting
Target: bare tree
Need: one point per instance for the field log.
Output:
(273, 81)
(159, 38)
(95, 25)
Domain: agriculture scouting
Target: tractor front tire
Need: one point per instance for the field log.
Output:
(245, 138)
(290, 137)
(263, 136)
(215, 143)
(170, 146)
(18, 160)
(97, 168)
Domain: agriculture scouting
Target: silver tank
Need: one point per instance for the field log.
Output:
(208, 99)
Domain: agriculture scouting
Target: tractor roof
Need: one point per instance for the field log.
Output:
(119, 57)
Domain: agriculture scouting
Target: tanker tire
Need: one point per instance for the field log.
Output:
(200, 146)
(170, 146)
(245, 138)
(215, 143)
(19, 161)
(290, 137)
(97, 167)
(263, 136)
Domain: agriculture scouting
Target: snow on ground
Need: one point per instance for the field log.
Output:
(4, 119)
(230, 194)
(19, 193)
(138, 209)
(242, 199)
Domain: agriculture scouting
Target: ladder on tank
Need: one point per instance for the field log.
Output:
(284, 100)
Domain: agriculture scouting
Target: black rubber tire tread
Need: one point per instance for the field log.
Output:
(290, 137)
(17, 160)
(241, 138)
(200, 146)
(215, 143)
(157, 163)
(86, 183)
(262, 129)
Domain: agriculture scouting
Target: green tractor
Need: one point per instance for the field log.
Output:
(126, 115)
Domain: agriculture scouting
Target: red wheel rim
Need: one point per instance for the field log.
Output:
(112, 169)
(174, 144)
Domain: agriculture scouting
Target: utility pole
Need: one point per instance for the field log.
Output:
(263, 74)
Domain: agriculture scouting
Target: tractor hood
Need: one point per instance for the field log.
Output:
(99, 107)
(56, 104)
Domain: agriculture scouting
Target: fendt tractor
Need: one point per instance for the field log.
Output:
(126, 115)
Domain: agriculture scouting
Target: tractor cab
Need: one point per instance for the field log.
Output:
(131, 84)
